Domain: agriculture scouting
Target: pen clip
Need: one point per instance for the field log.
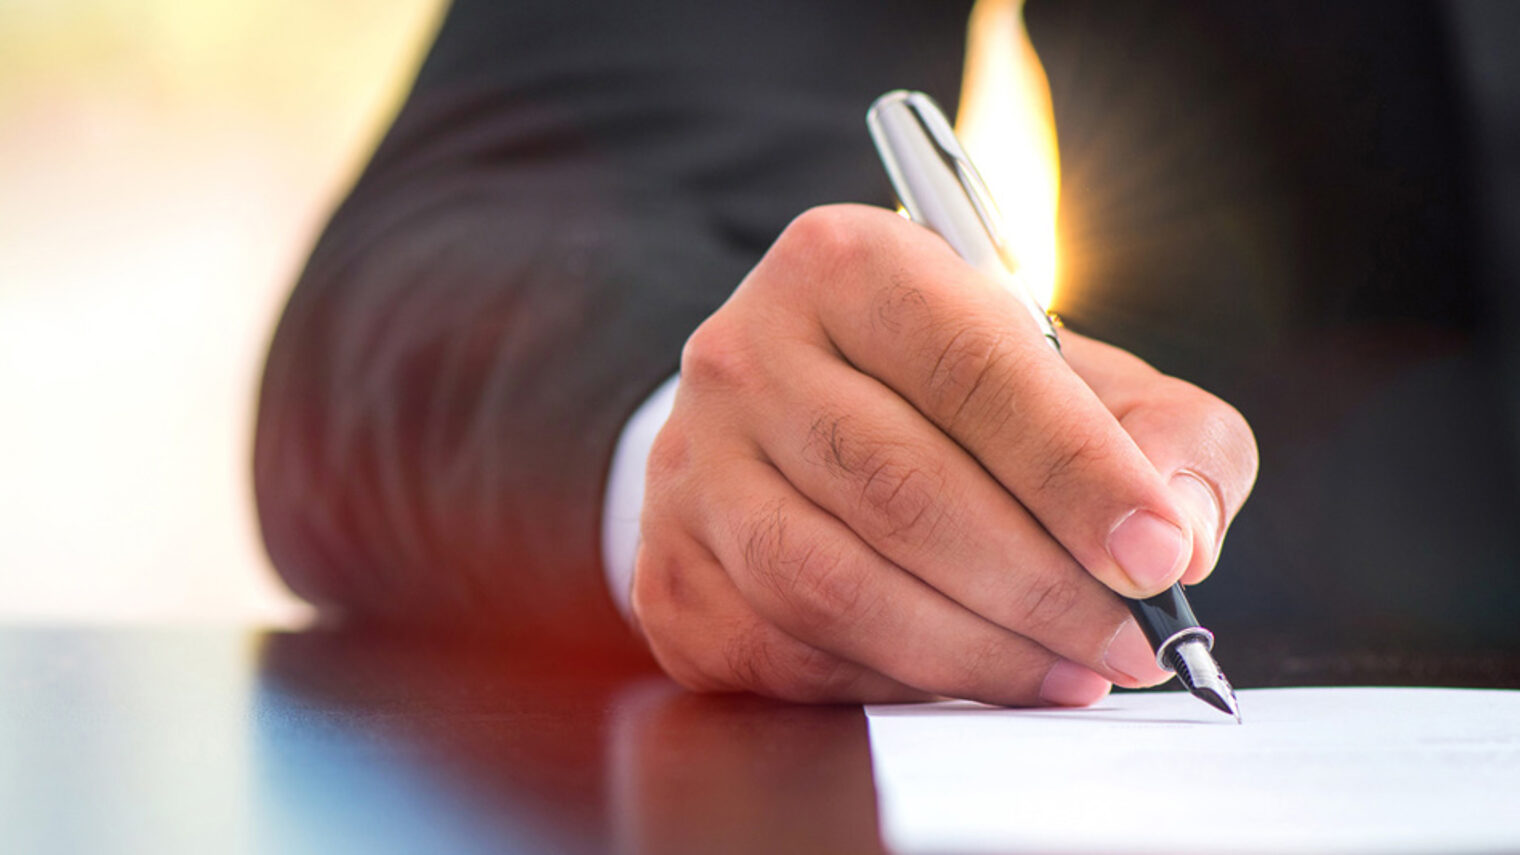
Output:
(932, 119)
(940, 189)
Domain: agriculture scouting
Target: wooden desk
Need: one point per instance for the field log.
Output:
(231, 741)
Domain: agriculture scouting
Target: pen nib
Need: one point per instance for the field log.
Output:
(1199, 672)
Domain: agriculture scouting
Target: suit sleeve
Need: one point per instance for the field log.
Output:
(565, 195)
(443, 393)
(444, 389)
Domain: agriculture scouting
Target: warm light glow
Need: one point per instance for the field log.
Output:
(1007, 126)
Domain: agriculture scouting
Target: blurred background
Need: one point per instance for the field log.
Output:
(164, 166)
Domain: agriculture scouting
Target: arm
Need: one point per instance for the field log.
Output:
(419, 458)
(515, 272)
(564, 197)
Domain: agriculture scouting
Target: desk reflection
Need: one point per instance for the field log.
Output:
(383, 743)
(229, 741)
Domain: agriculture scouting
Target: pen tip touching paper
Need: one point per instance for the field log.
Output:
(1200, 674)
(1224, 702)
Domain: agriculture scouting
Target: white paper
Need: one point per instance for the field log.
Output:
(1310, 770)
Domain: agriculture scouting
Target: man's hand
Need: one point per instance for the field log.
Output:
(880, 482)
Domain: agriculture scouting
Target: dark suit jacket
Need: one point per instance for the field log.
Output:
(1281, 201)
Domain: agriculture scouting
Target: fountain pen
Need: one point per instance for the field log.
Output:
(940, 189)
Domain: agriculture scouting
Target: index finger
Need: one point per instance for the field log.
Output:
(900, 306)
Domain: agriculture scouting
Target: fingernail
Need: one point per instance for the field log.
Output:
(1130, 654)
(1203, 506)
(1149, 550)
(1068, 684)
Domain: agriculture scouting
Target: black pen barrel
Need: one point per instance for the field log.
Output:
(1164, 616)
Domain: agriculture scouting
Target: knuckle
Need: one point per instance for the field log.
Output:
(831, 235)
(661, 605)
(670, 452)
(640, 598)
(811, 578)
(908, 500)
(654, 589)
(1046, 604)
(823, 583)
(764, 535)
(715, 357)
(901, 305)
(968, 379)
(829, 443)
(902, 497)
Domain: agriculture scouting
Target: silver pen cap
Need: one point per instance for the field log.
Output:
(940, 189)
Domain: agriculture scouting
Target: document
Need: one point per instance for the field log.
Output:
(1309, 770)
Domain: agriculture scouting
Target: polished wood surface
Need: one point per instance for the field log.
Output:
(223, 740)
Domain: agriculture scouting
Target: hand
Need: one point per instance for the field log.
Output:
(879, 482)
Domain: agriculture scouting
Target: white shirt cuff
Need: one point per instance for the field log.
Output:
(624, 498)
